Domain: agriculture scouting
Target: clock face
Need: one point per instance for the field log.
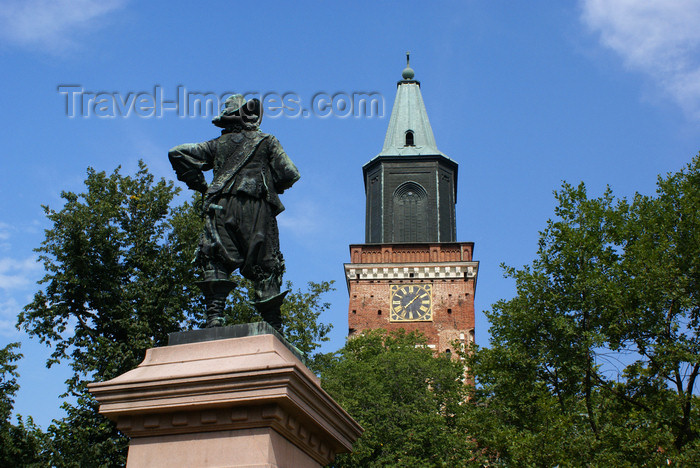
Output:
(411, 303)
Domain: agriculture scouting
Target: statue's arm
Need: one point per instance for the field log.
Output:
(189, 160)
(284, 172)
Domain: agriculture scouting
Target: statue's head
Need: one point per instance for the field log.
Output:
(238, 111)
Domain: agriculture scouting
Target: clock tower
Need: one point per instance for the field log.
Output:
(411, 273)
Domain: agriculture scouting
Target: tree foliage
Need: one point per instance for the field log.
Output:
(411, 404)
(21, 444)
(116, 280)
(119, 278)
(595, 361)
(300, 314)
(8, 379)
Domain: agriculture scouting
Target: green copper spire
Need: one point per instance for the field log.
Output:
(409, 132)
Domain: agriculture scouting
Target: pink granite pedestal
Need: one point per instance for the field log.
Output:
(238, 402)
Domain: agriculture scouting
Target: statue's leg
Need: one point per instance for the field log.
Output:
(216, 287)
(268, 299)
(217, 257)
(264, 264)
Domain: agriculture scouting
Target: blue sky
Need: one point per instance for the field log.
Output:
(523, 95)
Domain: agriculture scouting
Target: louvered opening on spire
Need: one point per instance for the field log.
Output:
(409, 138)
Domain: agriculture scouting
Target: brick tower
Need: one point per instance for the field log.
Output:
(411, 273)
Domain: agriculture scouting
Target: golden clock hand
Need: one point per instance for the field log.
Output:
(411, 301)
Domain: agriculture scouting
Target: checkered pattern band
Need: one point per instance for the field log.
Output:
(410, 272)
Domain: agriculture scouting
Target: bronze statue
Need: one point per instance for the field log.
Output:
(240, 207)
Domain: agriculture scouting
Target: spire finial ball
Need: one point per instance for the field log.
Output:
(408, 71)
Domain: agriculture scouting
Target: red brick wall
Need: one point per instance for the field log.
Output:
(404, 253)
(453, 299)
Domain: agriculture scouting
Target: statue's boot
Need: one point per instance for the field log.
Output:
(215, 293)
(215, 309)
(270, 309)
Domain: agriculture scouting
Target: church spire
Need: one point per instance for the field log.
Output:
(411, 187)
(409, 131)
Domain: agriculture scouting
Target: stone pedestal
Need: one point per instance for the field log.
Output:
(236, 402)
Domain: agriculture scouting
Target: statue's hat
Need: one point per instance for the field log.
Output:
(237, 106)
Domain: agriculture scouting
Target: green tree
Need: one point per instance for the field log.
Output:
(8, 379)
(595, 361)
(411, 404)
(115, 285)
(300, 314)
(21, 444)
(119, 279)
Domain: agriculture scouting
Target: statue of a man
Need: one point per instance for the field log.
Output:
(240, 205)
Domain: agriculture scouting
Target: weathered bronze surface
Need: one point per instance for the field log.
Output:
(240, 207)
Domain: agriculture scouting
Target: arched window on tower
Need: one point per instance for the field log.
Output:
(410, 213)
(409, 138)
